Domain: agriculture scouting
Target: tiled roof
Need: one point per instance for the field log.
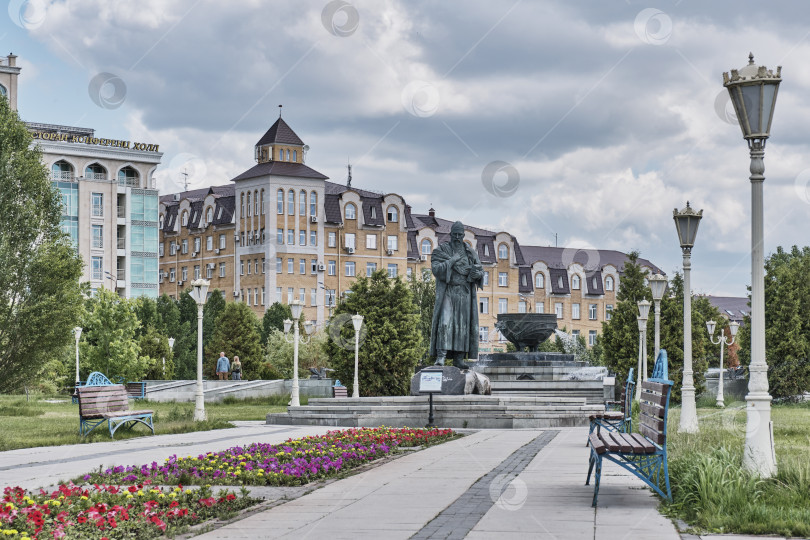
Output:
(198, 194)
(280, 132)
(594, 280)
(196, 214)
(170, 217)
(486, 249)
(555, 275)
(733, 307)
(518, 253)
(369, 203)
(337, 189)
(409, 223)
(413, 249)
(223, 213)
(525, 284)
(443, 225)
(594, 259)
(280, 168)
(331, 208)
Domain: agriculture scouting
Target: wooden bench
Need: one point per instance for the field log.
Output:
(645, 453)
(612, 420)
(340, 392)
(101, 401)
(136, 390)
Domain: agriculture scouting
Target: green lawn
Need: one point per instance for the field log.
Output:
(713, 492)
(55, 420)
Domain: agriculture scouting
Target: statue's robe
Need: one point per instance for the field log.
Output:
(455, 315)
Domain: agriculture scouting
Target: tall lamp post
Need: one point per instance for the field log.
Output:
(753, 91)
(296, 307)
(643, 315)
(77, 333)
(722, 340)
(199, 293)
(171, 346)
(686, 222)
(658, 286)
(357, 321)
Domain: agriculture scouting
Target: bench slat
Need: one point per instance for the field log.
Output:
(658, 399)
(616, 442)
(100, 389)
(597, 444)
(652, 410)
(658, 388)
(649, 448)
(651, 433)
(651, 421)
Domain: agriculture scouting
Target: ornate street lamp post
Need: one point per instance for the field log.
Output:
(658, 286)
(722, 340)
(171, 346)
(77, 333)
(199, 293)
(296, 307)
(357, 321)
(686, 222)
(643, 315)
(753, 91)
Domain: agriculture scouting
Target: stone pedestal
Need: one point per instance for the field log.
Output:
(456, 382)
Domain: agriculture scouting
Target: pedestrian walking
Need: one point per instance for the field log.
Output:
(236, 369)
(223, 367)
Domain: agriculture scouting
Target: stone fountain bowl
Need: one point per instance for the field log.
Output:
(526, 329)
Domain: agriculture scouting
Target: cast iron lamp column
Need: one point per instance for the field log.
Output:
(753, 91)
(296, 307)
(686, 222)
(643, 316)
(658, 286)
(171, 347)
(722, 340)
(357, 321)
(199, 293)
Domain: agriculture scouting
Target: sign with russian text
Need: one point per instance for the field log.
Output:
(96, 141)
(430, 381)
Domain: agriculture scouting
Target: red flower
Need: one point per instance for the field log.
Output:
(230, 496)
(81, 519)
(133, 489)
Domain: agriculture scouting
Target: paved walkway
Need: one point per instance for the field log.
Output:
(489, 484)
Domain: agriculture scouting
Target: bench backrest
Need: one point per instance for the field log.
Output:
(97, 400)
(655, 393)
(340, 392)
(627, 394)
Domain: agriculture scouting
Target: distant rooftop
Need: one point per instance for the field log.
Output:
(733, 307)
(56, 128)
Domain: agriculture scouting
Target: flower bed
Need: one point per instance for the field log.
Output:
(294, 462)
(111, 511)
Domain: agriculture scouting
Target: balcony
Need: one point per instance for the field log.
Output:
(121, 274)
(64, 176)
(121, 243)
(96, 177)
(129, 182)
(122, 212)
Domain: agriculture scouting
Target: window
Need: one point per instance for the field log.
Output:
(255, 266)
(256, 203)
(609, 283)
(278, 265)
(209, 271)
(184, 273)
(371, 241)
(332, 239)
(558, 309)
(128, 177)
(197, 242)
(392, 270)
(350, 240)
(280, 236)
(302, 237)
(313, 203)
(351, 211)
(302, 203)
(350, 268)
(196, 271)
(371, 268)
(249, 213)
(302, 266)
(503, 251)
(540, 307)
(209, 243)
(575, 282)
(172, 248)
(302, 295)
(486, 250)
(160, 249)
(290, 265)
(291, 236)
(221, 269)
(427, 247)
(97, 206)
(222, 241)
(279, 297)
(97, 268)
(560, 282)
(288, 155)
(241, 204)
(483, 303)
(172, 274)
(393, 215)
(264, 265)
(313, 297)
(95, 172)
(503, 305)
(591, 337)
(290, 295)
(608, 312)
(313, 238)
(522, 306)
(262, 205)
(331, 266)
(184, 246)
(592, 312)
(313, 266)
(280, 201)
(330, 297)
(483, 333)
(242, 267)
(393, 242)
(264, 297)
(291, 203)
(280, 154)
(503, 279)
(486, 277)
(595, 283)
(98, 236)
(575, 311)
(575, 334)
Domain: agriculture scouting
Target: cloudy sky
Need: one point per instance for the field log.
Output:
(582, 124)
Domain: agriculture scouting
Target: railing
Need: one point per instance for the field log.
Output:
(122, 243)
(121, 273)
(63, 175)
(129, 182)
(122, 211)
(98, 177)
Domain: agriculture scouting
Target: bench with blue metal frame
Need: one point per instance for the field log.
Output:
(101, 401)
(645, 453)
(621, 420)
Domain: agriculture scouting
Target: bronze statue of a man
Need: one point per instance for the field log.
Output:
(458, 271)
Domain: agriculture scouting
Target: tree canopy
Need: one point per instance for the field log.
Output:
(236, 334)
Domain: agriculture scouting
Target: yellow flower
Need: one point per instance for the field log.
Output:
(140, 493)
(188, 491)
(161, 496)
(172, 494)
(83, 497)
(129, 496)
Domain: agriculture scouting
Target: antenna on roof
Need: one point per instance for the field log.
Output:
(185, 179)
(555, 240)
(279, 110)
(349, 182)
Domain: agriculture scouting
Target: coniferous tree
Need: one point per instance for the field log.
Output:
(40, 293)
(423, 289)
(273, 319)
(236, 334)
(214, 307)
(390, 340)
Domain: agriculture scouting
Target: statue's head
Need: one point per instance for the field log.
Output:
(457, 232)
